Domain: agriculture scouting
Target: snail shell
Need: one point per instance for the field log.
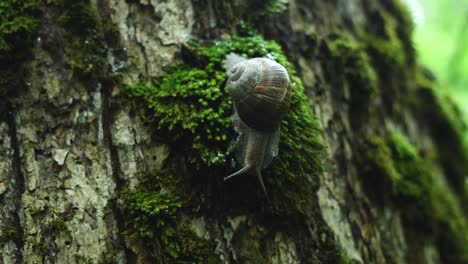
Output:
(260, 91)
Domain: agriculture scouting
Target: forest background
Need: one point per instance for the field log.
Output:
(441, 39)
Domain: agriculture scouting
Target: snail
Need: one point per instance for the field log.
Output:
(260, 90)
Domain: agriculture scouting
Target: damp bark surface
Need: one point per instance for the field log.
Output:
(76, 150)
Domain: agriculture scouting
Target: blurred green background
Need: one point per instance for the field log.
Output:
(441, 39)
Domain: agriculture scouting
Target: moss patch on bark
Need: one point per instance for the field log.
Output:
(389, 41)
(152, 214)
(85, 47)
(395, 174)
(191, 108)
(351, 66)
(18, 24)
(18, 19)
(8, 233)
(443, 119)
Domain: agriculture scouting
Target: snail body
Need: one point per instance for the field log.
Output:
(260, 91)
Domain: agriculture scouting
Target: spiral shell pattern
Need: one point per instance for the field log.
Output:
(260, 89)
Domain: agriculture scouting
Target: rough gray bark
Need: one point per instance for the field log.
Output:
(69, 145)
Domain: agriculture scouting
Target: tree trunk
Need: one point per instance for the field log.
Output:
(91, 173)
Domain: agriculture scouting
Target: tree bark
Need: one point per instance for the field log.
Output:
(72, 141)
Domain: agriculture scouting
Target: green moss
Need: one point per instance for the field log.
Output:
(87, 55)
(404, 19)
(86, 49)
(191, 108)
(404, 27)
(389, 43)
(56, 226)
(184, 246)
(378, 169)
(152, 212)
(149, 211)
(345, 259)
(451, 227)
(414, 188)
(388, 53)
(442, 117)
(9, 233)
(77, 16)
(349, 59)
(18, 23)
(400, 175)
(190, 103)
(18, 19)
(427, 206)
(392, 56)
(403, 16)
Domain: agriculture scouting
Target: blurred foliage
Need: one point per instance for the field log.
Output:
(441, 38)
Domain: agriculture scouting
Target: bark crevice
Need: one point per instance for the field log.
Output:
(107, 86)
(19, 182)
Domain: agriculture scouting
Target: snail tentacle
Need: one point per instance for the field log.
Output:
(241, 171)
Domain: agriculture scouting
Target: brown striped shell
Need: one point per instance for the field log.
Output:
(260, 90)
